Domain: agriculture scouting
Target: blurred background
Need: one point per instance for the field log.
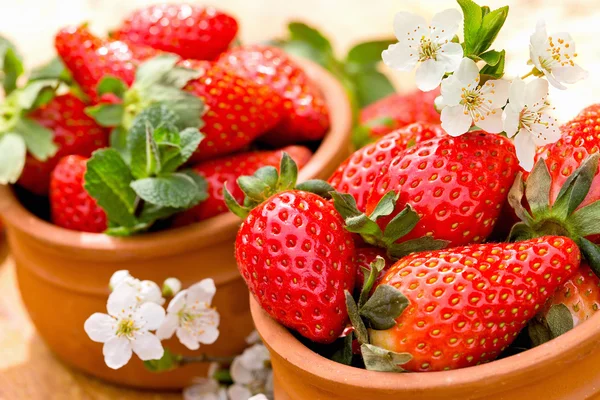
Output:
(32, 24)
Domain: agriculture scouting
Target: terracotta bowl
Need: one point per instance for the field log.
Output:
(63, 274)
(565, 368)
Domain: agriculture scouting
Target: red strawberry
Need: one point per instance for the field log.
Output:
(356, 175)
(189, 30)
(307, 115)
(468, 304)
(228, 169)
(71, 206)
(90, 58)
(74, 133)
(363, 259)
(239, 109)
(457, 186)
(397, 111)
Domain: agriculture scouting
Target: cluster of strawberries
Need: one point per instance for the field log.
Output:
(251, 94)
(401, 257)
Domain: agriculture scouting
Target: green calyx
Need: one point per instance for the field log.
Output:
(139, 183)
(400, 225)
(267, 181)
(545, 327)
(563, 217)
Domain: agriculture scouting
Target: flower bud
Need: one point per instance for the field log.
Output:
(117, 278)
(171, 287)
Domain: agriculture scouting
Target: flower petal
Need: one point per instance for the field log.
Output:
(468, 73)
(203, 389)
(491, 123)
(408, 25)
(201, 292)
(209, 335)
(454, 120)
(547, 132)
(149, 316)
(445, 24)
(187, 338)
(516, 95)
(259, 396)
(151, 292)
(539, 38)
(168, 327)
(451, 91)
(118, 277)
(178, 302)
(451, 54)
(117, 352)
(511, 120)
(570, 74)
(238, 392)
(495, 93)
(553, 81)
(122, 301)
(536, 93)
(147, 346)
(429, 75)
(239, 373)
(255, 357)
(100, 327)
(400, 56)
(525, 148)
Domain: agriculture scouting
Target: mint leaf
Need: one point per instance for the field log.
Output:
(188, 107)
(176, 190)
(111, 84)
(118, 141)
(39, 140)
(491, 25)
(367, 54)
(153, 71)
(473, 18)
(37, 93)
(372, 85)
(13, 152)
(107, 115)
(172, 157)
(108, 180)
(11, 65)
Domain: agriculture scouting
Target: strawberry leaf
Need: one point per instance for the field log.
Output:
(106, 115)
(382, 360)
(537, 190)
(316, 186)
(515, 198)
(39, 140)
(576, 188)
(538, 331)
(54, 69)
(559, 320)
(383, 307)
(288, 173)
(400, 225)
(110, 84)
(359, 326)
(344, 354)
(521, 231)
(36, 94)
(591, 252)
(13, 152)
(370, 277)
(174, 190)
(586, 220)
(11, 65)
(300, 31)
(426, 243)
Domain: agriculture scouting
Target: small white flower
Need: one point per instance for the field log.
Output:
(554, 56)
(125, 329)
(171, 287)
(205, 389)
(466, 103)
(147, 291)
(429, 45)
(191, 317)
(253, 338)
(527, 115)
(259, 397)
(251, 373)
(118, 277)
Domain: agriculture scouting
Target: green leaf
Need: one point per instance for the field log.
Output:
(233, 205)
(384, 306)
(345, 204)
(54, 69)
(376, 267)
(385, 206)
(167, 362)
(254, 188)
(382, 360)
(118, 141)
(268, 174)
(189, 139)
(305, 50)
(559, 320)
(175, 190)
(367, 54)
(11, 65)
(591, 252)
(316, 186)
(300, 31)
(515, 198)
(537, 190)
(491, 25)
(288, 173)
(188, 107)
(155, 70)
(344, 354)
(586, 220)
(359, 326)
(371, 86)
(39, 140)
(491, 58)
(153, 162)
(494, 72)
(111, 84)
(107, 115)
(425, 243)
(539, 333)
(576, 187)
(521, 231)
(473, 18)
(107, 179)
(400, 225)
(13, 152)
(37, 93)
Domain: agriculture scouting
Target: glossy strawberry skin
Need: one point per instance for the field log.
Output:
(457, 186)
(357, 174)
(297, 260)
(363, 258)
(74, 133)
(306, 115)
(226, 170)
(90, 58)
(238, 109)
(467, 304)
(71, 206)
(188, 30)
(402, 110)
(580, 293)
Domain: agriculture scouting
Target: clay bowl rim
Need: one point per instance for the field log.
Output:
(206, 232)
(534, 364)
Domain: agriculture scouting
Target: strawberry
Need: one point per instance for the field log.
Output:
(294, 253)
(445, 191)
(357, 174)
(363, 259)
(189, 30)
(226, 170)
(467, 304)
(239, 109)
(393, 112)
(307, 116)
(71, 206)
(90, 58)
(74, 133)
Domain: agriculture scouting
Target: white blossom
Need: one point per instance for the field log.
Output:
(527, 116)
(555, 57)
(125, 329)
(251, 373)
(147, 291)
(259, 397)
(430, 46)
(464, 102)
(205, 389)
(190, 316)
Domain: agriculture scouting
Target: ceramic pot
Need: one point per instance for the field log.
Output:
(565, 368)
(63, 274)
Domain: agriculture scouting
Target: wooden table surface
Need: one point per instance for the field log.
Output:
(27, 368)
